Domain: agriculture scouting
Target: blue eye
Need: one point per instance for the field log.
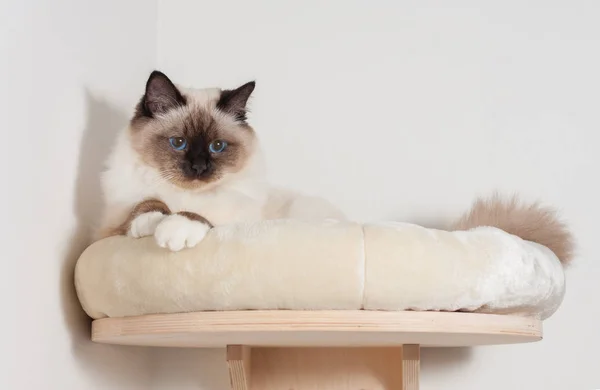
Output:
(178, 143)
(217, 146)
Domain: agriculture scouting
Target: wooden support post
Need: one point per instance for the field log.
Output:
(373, 368)
(238, 360)
(411, 365)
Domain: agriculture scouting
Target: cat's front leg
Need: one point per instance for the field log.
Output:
(125, 220)
(145, 217)
(181, 230)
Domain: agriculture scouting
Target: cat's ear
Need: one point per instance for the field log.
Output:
(234, 101)
(161, 95)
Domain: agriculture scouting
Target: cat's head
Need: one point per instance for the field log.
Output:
(193, 138)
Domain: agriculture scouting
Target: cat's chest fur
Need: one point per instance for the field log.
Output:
(220, 206)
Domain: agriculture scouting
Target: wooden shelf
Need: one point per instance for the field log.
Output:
(273, 350)
(316, 329)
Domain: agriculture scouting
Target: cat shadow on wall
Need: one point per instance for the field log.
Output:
(110, 366)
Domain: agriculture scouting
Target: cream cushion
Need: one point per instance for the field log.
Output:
(287, 264)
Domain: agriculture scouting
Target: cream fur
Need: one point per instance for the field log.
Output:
(290, 264)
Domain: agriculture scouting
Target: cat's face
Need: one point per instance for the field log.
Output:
(193, 138)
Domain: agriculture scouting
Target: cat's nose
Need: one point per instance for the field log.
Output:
(199, 167)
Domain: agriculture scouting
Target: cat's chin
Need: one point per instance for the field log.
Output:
(195, 185)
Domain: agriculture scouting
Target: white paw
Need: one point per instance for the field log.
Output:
(177, 232)
(145, 224)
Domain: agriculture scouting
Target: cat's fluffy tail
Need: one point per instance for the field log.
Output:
(531, 222)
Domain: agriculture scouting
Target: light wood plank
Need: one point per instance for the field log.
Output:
(327, 368)
(316, 329)
(411, 362)
(238, 362)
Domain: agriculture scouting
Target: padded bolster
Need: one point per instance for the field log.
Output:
(483, 270)
(296, 265)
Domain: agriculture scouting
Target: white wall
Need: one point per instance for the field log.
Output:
(70, 73)
(405, 111)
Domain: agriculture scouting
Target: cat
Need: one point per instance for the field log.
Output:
(188, 161)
